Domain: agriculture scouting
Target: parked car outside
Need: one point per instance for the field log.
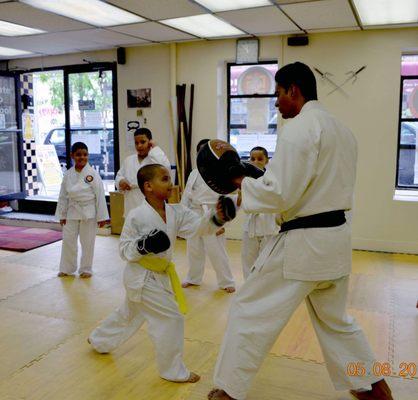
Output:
(103, 161)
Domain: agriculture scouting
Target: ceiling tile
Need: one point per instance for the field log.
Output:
(160, 9)
(103, 36)
(321, 14)
(291, 1)
(262, 20)
(153, 31)
(25, 15)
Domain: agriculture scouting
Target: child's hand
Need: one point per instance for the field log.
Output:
(63, 222)
(239, 198)
(220, 232)
(124, 185)
(152, 144)
(101, 224)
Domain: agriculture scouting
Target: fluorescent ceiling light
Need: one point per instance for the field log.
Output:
(94, 12)
(205, 26)
(9, 29)
(226, 5)
(386, 12)
(7, 52)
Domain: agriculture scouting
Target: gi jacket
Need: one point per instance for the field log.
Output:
(312, 171)
(181, 221)
(129, 170)
(82, 196)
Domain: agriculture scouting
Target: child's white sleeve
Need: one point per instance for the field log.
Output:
(158, 157)
(120, 175)
(128, 243)
(101, 207)
(62, 204)
(193, 224)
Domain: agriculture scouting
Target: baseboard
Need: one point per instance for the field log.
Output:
(385, 246)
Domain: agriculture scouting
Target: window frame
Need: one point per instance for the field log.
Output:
(230, 96)
(403, 146)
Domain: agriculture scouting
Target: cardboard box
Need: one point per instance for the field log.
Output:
(116, 212)
(117, 208)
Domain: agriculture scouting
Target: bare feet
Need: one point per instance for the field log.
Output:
(85, 275)
(380, 391)
(187, 284)
(229, 289)
(218, 394)
(193, 377)
(62, 274)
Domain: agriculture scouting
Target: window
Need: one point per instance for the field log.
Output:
(252, 116)
(407, 166)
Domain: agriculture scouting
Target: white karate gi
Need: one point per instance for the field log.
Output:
(312, 171)
(130, 167)
(149, 296)
(82, 203)
(199, 197)
(257, 231)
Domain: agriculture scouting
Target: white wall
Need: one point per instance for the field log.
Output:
(371, 110)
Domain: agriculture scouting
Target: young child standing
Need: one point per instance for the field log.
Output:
(147, 241)
(199, 197)
(257, 228)
(147, 152)
(81, 206)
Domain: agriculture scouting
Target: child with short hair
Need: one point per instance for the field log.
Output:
(147, 243)
(81, 206)
(147, 152)
(257, 228)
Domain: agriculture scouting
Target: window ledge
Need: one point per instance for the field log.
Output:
(405, 195)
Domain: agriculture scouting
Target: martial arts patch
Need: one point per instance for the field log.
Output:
(88, 179)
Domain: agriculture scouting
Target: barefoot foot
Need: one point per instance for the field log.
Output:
(187, 284)
(85, 275)
(218, 394)
(380, 391)
(229, 289)
(62, 274)
(193, 377)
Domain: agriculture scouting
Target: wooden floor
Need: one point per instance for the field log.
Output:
(45, 322)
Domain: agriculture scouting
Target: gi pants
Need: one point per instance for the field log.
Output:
(251, 248)
(260, 311)
(86, 230)
(155, 305)
(215, 247)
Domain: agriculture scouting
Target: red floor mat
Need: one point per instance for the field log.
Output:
(20, 238)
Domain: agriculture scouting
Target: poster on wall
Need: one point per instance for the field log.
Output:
(139, 98)
(49, 168)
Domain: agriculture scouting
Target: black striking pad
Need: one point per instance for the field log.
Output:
(219, 163)
(154, 242)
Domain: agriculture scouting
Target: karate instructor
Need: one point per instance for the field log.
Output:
(309, 182)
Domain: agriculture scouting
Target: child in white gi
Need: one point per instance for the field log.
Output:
(150, 231)
(147, 152)
(199, 197)
(81, 206)
(258, 228)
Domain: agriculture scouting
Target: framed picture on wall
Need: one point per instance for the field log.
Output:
(139, 98)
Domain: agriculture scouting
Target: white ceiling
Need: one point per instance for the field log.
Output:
(66, 35)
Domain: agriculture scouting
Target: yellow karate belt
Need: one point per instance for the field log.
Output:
(163, 266)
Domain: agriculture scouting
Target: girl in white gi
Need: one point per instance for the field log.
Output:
(258, 228)
(309, 182)
(147, 152)
(81, 206)
(199, 197)
(150, 230)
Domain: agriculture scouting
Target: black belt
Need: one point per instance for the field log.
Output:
(322, 220)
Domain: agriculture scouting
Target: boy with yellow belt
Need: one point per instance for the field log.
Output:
(152, 287)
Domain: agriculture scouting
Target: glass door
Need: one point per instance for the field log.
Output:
(11, 174)
(91, 119)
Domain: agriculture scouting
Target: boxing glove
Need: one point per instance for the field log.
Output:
(228, 209)
(219, 164)
(154, 242)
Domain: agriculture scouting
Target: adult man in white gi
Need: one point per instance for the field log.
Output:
(309, 182)
(199, 197)
(147, 153)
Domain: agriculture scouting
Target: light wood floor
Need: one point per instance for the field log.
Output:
(45, 322)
